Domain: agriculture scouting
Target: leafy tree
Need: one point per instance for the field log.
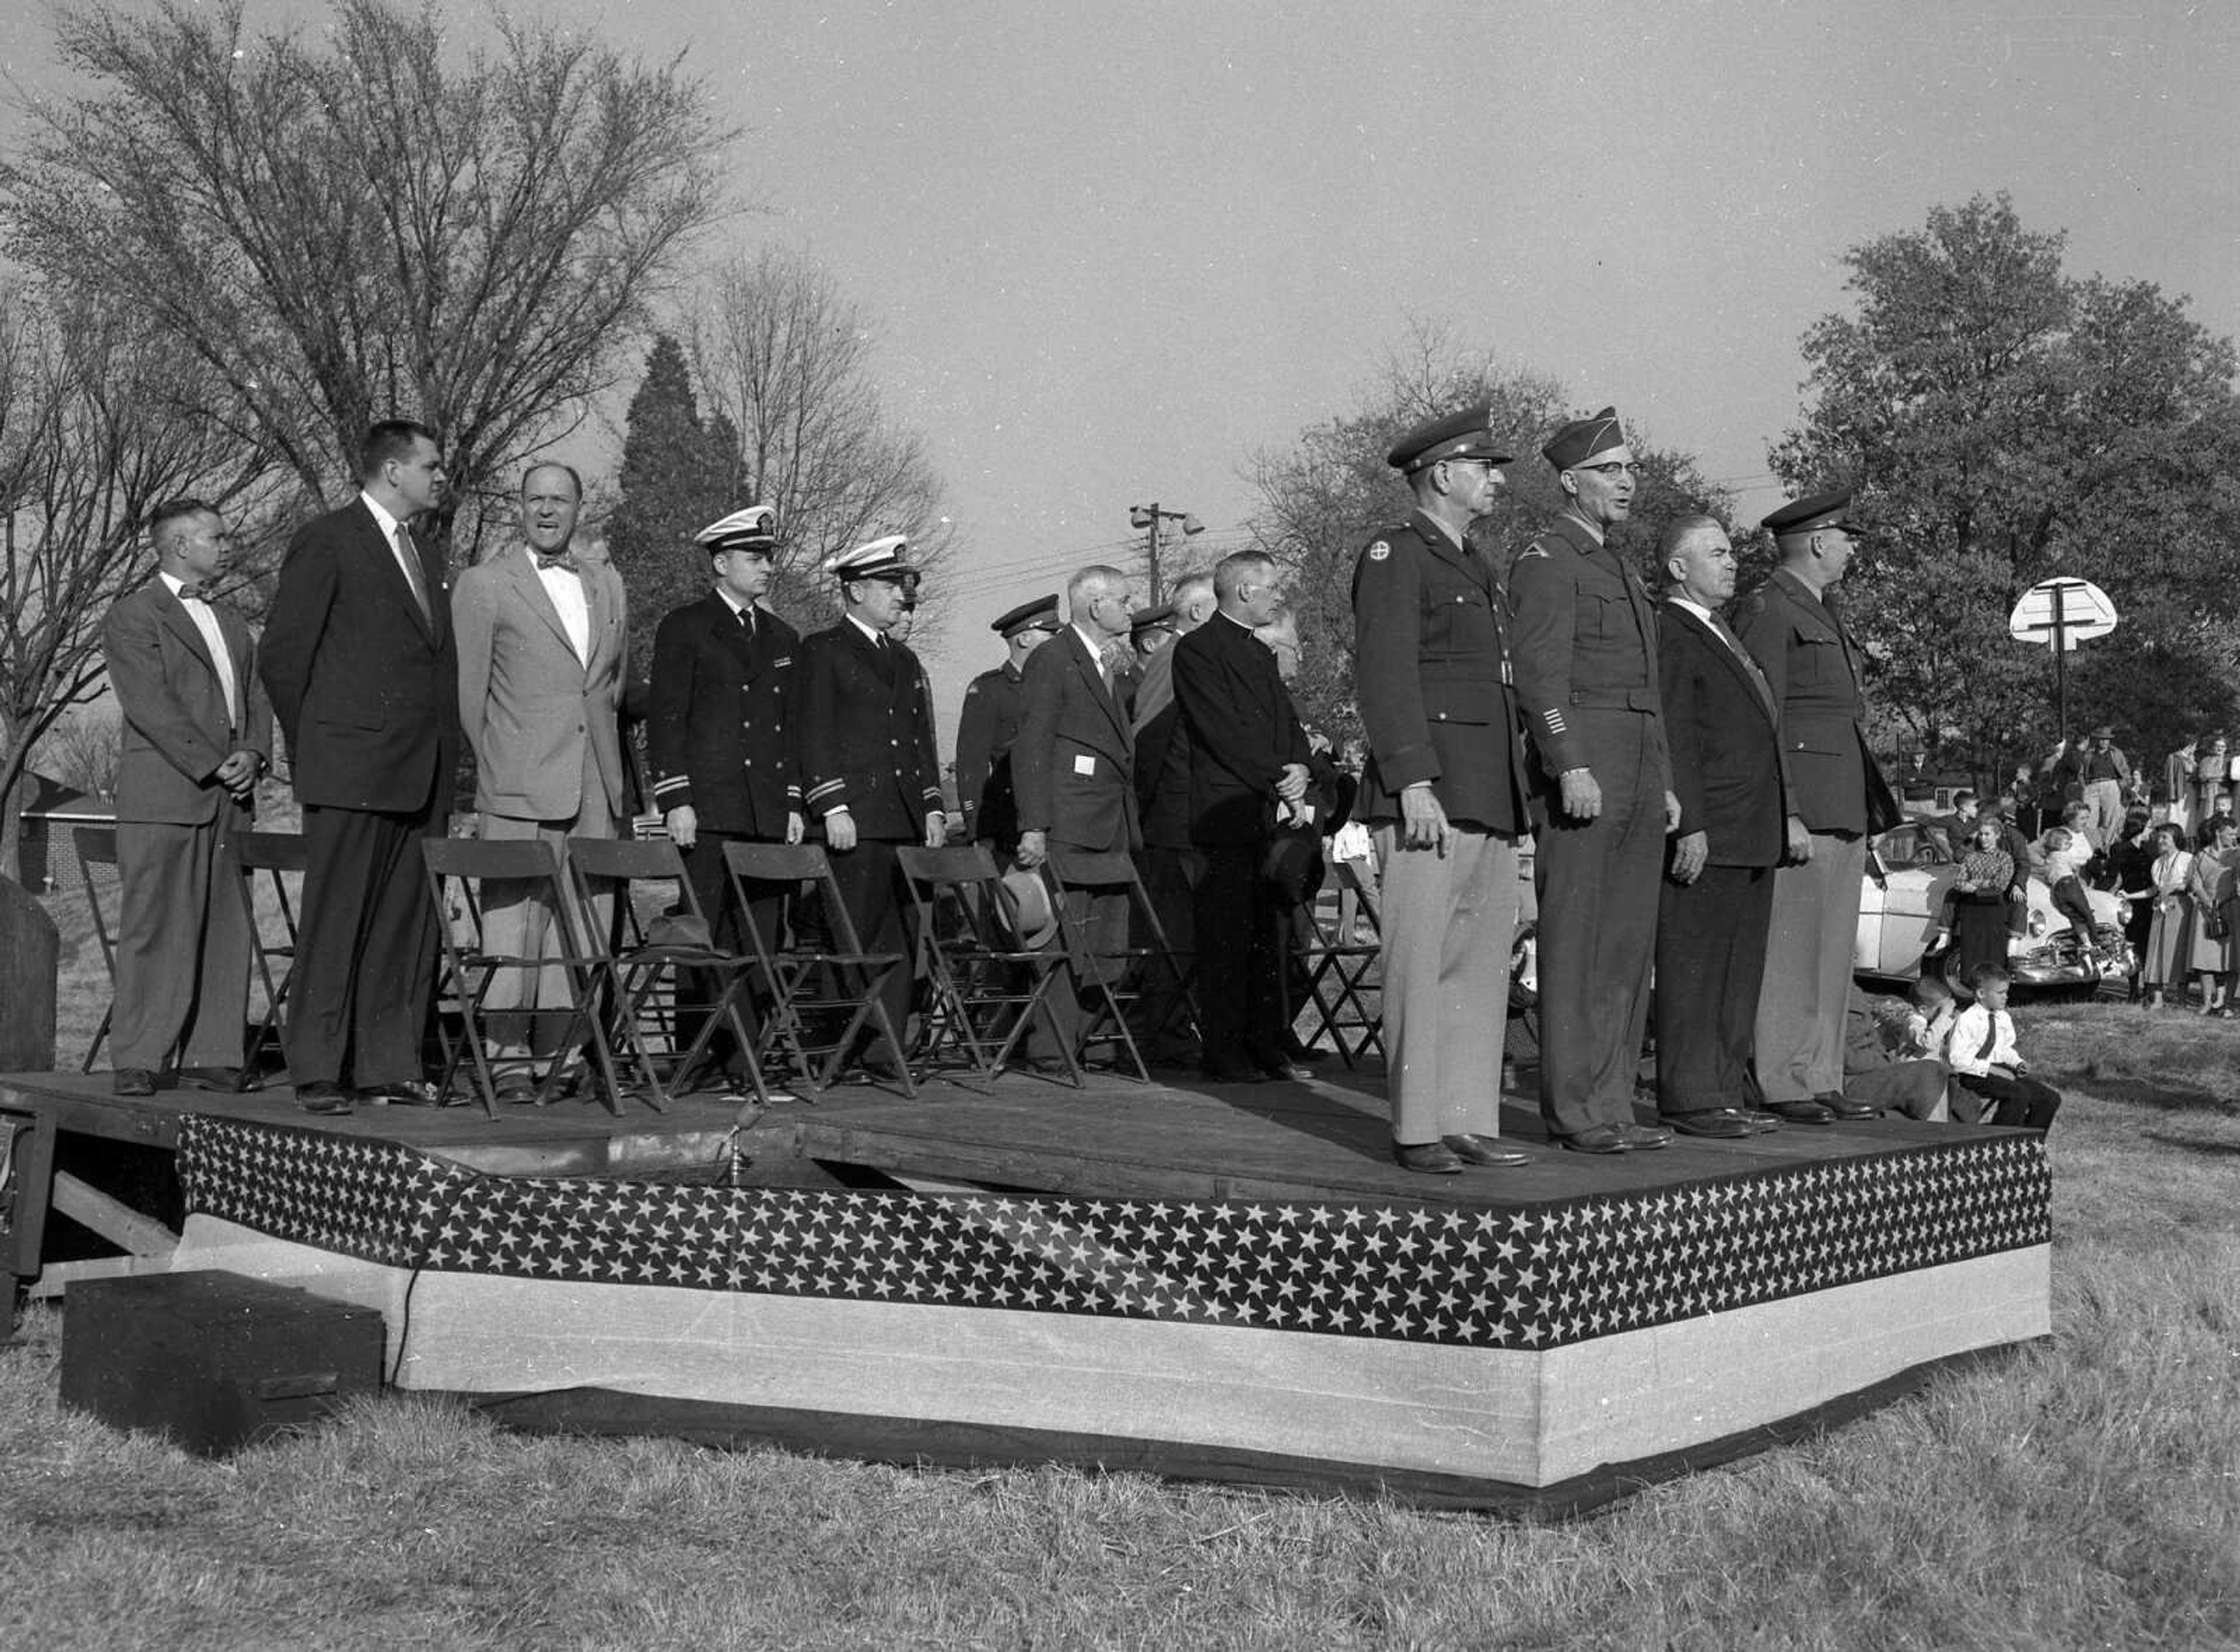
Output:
(1323, 498)
(679, 473)
(784, 356)
(99, 422)
(373, 221)
(2005, 422)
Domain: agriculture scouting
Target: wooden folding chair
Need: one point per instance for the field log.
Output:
(97, 848)
(989, 985)
(660, 963)
(1340, 956)
(814, 988)
(457, 867)
(279, 856)
(1108, 985)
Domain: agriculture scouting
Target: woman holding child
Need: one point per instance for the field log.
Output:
(2213, 888)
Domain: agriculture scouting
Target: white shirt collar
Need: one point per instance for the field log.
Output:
(387, 524)
(877, 636)
(174, 583)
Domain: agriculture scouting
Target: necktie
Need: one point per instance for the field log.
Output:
(408, 555)
(1990, 1034)
(558, 559)
(194, 593)
(747, 620)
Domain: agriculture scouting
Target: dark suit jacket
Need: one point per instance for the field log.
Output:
(1074, 762)
(1431, 665)
(718, 716)
(863, 734)
(1798, 641)
(1725, 738)
(1242, 731)
(363, 685)
(1162, 759)
(177, 732)
(986, 730)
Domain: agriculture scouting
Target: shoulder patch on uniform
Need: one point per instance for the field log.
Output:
(1379, 552)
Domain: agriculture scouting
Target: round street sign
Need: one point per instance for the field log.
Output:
(2085, 612)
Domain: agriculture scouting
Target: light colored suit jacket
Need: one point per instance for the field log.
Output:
(533, 712)
(176, 729)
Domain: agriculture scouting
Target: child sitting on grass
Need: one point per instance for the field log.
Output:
(2066, 852)
(1985, 1062)
(1928, 1022)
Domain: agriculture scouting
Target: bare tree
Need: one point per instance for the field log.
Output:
(99, 422)
(83, 750)
(371, 222)
(786, 358)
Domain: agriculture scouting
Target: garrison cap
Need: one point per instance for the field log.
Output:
(1580, 440)
(753, 528)
(880, 559)
(1040, 615)
(1811, 514)
(1161, 618)
(1466, 434)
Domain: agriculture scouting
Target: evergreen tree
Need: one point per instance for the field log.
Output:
(679, 473)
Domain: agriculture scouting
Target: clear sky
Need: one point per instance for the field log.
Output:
(1115, 250)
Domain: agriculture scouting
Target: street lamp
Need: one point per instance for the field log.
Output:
(1149, 518)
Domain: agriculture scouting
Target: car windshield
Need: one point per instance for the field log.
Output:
(1921, 843)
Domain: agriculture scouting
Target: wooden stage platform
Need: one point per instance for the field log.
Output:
(1229, 1282)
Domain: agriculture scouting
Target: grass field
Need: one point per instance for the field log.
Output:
(2084, 1492)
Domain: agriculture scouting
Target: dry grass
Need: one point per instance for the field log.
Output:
(2084, 1493)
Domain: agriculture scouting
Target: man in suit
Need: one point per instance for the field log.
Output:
(1171, 861)
(1444, 792)
(717, 729)
(1247, 758)
(1585, 641)
(1724, 729)
(1074, 767)
(197, 733)
(358, 659)
(543, 645)
(865, 749)
(989, 726)
(1838, 800)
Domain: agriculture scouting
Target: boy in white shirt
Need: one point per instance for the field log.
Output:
(1985, 1062)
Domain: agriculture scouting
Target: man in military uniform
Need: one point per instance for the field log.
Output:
(1444, 791)
(1838, 800)
(715, 729)
(863, 748)
(989, 723)
(1585, 639)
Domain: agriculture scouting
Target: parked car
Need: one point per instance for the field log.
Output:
(1910, 869)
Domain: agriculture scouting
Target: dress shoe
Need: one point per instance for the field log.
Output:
(1428, 1158)
(132, 1081)
(1843, 1107)
(520, 1091)
(1230, 1073)
(324, 1097)
(1642, 1138)
(234, 1080)
(1304, 1054)
(1599, 1138)
(405, 1092)
(1483, 1149)
(1758, 1119)
(1724, 1121)
(1285, 1071)
(1800, 1112)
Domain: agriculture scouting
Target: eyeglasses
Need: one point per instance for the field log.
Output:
(1488, 465)
(1613, 467)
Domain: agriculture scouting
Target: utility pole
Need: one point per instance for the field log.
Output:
(1149, 518)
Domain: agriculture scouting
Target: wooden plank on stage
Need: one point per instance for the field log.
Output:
(1112, 1138)
(111, 1218)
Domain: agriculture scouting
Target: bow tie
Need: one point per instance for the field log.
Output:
(558, 559)
(194, 593)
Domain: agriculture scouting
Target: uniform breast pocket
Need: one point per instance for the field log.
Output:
(1458, 622)
(1816, 660)
(1608, 617)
